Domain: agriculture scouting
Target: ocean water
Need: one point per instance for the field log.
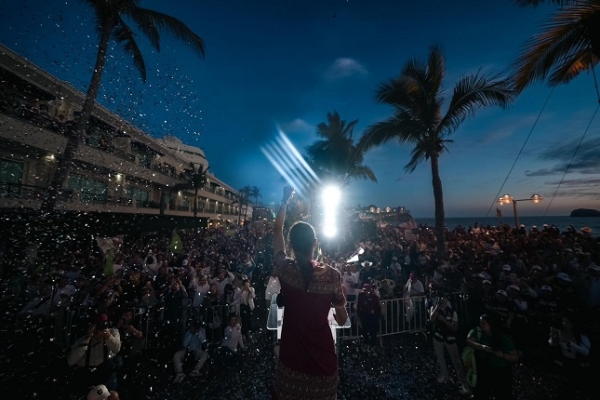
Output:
(561, 223)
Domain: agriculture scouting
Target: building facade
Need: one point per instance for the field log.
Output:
(117, 168)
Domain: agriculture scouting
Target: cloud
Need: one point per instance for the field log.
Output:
(586, 161)
(345, 68)
(297, 126)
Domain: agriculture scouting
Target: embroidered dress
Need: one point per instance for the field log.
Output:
(307, 367)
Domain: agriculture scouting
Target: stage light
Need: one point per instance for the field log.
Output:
(331, 196)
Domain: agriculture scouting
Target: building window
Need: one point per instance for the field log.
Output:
(91, 190)
(11, 175)
(140, 196)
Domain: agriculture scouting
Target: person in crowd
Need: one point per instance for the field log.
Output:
(132, 337)
(445, 325)
(367, 272)
(246, 302)
(396, 270)
(495, 354)
(222, 279)
(233, 340)
(199, 287)
(231, 297)
(368, 310)
(574, 357)
(94, 356)
(307, 364)
(503, 309)
(194, 343)
(351, 282)
(414, 301)
(173, 299)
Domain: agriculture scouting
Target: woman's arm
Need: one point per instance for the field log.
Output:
(340, 315)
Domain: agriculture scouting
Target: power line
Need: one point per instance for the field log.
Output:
(520, 151)
(572, 157)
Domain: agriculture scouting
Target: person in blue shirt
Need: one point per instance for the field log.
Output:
(193, 344)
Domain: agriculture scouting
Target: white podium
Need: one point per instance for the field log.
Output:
(275, 320)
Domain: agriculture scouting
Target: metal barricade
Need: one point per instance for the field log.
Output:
(214, 318)
(403, 315)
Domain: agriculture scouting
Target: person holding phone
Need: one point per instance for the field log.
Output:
(574, 357)
(495, 354)
(94, 356)
(307, 365)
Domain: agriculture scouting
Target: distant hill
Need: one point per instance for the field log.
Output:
(585, 212)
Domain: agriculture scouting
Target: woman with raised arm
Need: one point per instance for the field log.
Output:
(307, 366)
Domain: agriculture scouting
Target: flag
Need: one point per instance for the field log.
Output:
(498, 212)
(109, 263)
(176, 243)
(109, 243)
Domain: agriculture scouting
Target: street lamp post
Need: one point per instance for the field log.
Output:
(506, 199)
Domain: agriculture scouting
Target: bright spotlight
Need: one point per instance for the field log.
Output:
(329, 231)
(331, 196)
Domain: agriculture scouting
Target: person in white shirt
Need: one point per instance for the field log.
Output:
(246, 302)
(396, 269)
(351, 282)
(193, 342)
(222, 279)
(95, 355)
(201, 287)
(233, 337)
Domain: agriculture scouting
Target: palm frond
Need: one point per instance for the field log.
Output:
(418, 155)
(535, 3)
(436, 71)
(362, 172)
(174, 26)
(471, 93)
(145, 24)
(560, 46)
(124, 35)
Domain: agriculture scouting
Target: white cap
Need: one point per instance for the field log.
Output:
(99, 392)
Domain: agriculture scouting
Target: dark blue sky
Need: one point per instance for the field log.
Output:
(288, 63)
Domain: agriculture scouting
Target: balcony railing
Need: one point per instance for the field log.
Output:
(37, 193)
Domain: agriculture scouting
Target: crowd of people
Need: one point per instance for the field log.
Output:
(529, 290)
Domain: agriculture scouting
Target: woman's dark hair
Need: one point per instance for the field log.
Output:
(302, 239)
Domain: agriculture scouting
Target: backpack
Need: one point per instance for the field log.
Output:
(469, 363)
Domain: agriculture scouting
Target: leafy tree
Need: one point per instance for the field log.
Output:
(196, 180)
(335, 156)
(244, 196)
(568, 44)
(254, 192)
(112, 17)
(417, 97)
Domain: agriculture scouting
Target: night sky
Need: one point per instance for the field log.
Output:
(286, 64)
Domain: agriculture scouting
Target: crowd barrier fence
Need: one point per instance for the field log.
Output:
(404, 315)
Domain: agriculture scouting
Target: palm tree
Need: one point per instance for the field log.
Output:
(255, 192)
(110, 17)
(196, 179)
(243, 201)
(417, 97)
(568, 44)
(335, 156)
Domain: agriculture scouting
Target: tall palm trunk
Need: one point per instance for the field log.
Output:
(66, 161)
(440, 215)
(195, 202)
